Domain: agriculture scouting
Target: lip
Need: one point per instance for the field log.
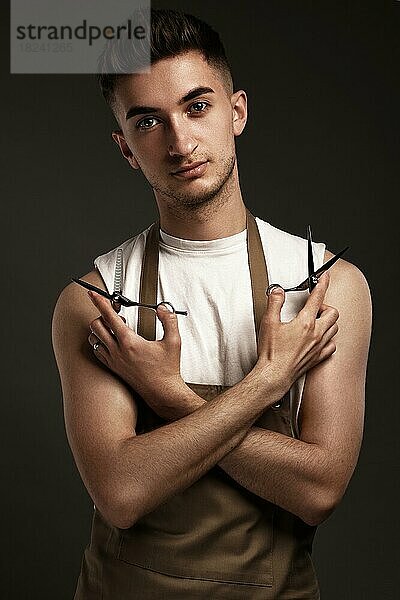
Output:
(195, 169)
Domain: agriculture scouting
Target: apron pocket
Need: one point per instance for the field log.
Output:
(215, 530)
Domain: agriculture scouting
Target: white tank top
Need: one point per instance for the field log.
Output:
(211, 280)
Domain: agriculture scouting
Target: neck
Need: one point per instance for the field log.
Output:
(221, 216)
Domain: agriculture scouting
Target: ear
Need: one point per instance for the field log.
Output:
(239, 111)
(119, 139)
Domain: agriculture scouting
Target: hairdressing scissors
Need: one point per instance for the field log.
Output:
(117, 299)
(313, 276)
(310, 282)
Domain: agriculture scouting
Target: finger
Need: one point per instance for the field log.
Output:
(324, 350)
(103, 333)
(315, 299)
(327, 351)
(324, 308)
(101, 353)
(93, 340)
(169, 322)
(116, 306)
(328, 316)
(327, 345)
(107, 312)
(329, 334)
(275, 302)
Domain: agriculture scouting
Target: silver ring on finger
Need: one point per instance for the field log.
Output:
(96, 346)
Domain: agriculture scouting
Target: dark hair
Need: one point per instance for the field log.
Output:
(171, 33)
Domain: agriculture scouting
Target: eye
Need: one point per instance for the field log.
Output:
(199, 107)
(146, 123)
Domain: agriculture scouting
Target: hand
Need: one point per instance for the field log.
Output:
(287, 350)
(151, 368)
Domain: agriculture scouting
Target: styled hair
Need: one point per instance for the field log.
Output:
(171, 33)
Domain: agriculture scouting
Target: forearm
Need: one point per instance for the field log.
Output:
(156, 465)
(283, 470)
(286, 471)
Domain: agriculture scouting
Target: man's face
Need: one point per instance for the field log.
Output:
(177, 115)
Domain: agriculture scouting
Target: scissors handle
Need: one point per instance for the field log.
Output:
(305, 285)
(312, 282)
(126, 302)
(119, 299)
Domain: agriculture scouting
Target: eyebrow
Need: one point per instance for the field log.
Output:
(143, 110)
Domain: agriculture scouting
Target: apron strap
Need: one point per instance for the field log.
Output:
(149, 277)
(146, 325)
(258, 270)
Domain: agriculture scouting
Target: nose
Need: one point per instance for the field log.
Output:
(181, 140)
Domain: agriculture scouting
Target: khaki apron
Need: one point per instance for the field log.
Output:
(216, 539)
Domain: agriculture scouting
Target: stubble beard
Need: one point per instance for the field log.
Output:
(215, 195)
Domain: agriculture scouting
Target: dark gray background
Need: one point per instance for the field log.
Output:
(321, 146)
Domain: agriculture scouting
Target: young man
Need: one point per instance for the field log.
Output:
(209, 455)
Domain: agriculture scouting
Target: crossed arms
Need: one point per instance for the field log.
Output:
(129, 475)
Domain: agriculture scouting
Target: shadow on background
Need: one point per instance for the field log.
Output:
(321, 147)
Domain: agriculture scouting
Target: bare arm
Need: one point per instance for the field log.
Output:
(309, 476)
(128, 475)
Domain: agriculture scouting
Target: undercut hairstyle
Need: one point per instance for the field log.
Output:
(171, 33)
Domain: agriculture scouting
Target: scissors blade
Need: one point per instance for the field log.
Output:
(330, 262)
(89, 286)
(311, 279)
(117, 294)
(304, 285)
(118, 273)
(121, 299)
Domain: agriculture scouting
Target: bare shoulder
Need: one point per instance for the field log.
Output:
(73, 304)
(348, 288)
(80, 371)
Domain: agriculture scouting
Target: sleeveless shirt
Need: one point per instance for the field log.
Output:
(215, 539)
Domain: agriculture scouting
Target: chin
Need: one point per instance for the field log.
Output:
(198, 191)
